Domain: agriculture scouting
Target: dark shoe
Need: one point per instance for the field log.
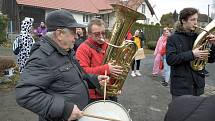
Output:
(154, 75)
(206, 73)
(165, 84)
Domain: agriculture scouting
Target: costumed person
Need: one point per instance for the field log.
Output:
(166, 70)
(25, 41)
(158, 63)
(137, 40)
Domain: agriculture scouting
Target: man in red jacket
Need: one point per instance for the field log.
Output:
(90, 55)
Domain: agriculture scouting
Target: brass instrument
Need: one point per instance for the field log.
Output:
(118, 52)
(202, 42)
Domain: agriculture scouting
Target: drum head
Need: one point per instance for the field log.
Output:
(107, 109)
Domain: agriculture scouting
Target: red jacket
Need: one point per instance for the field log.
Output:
(129, 36)
(91, 61)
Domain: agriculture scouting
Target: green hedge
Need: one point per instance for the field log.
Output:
(152, 45)
(3, 26)
(152, 33)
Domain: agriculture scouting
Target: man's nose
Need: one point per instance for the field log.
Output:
(101, 35)
(195, 22)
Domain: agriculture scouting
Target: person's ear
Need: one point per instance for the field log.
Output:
(183, 21)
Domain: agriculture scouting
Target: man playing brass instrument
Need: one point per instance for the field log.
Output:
(91, 53)
(184, 80)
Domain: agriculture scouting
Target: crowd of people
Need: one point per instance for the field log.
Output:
(63, 72)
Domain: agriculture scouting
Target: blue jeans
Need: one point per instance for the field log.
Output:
(166, 72)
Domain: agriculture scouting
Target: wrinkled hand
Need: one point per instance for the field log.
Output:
(76, 114)
(201, 54)
(115, 70)
(211, 38)
(102, 79)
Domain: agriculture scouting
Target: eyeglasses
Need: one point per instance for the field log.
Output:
(98, 34)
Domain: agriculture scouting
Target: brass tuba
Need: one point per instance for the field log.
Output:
(202, 42)
(118, 52)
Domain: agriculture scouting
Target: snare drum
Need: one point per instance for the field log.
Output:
(107, 109)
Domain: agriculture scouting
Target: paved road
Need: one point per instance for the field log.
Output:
(144, 96)
(6, 51)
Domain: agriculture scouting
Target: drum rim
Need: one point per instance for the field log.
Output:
(111, 102)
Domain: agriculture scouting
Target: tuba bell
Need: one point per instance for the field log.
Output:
(119, 52)
(202, 42)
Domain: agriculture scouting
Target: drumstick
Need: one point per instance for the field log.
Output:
(100, 117)
(105, 87)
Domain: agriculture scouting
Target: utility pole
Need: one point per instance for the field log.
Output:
(208, 13)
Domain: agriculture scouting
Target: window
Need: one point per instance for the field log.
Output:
(147, 20)
(143, 8)
(85, 18)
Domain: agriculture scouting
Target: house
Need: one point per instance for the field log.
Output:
(82, 10)
(203, 20)
(147, 9)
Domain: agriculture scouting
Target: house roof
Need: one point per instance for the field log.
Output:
(88, 6)
(134, 4)
(203, 18)
(150, 7)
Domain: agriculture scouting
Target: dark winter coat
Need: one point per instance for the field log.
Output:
(52, 82)
(183, 79)
(191, 108)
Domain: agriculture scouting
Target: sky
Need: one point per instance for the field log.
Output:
(165, 6)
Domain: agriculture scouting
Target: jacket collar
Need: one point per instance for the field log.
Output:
(180, 30)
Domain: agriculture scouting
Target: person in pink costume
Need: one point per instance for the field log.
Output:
(157, 54)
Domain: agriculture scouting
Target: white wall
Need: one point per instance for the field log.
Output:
(78, 16)
(112, 20)
(149, 18)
